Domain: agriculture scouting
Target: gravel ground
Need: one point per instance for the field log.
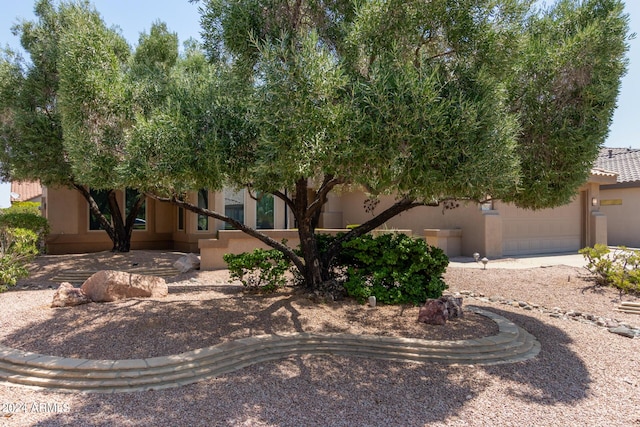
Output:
(584, 375)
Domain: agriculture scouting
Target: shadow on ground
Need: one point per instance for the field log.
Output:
(321, 390)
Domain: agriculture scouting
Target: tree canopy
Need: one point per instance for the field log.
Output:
(425, 100)
(428, 101)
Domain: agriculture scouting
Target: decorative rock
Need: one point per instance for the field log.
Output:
(625, 332)
(556, 315)
(454, 306)
(187, 263)
(434, 312)
(109, 285)
(68, 296)
(522, 304)
(438, 311)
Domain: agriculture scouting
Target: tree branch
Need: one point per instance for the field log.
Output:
(95, 210)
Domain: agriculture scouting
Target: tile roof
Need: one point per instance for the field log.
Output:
(25, 190)
(623, 161)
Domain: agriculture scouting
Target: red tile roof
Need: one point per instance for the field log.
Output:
(24, 191)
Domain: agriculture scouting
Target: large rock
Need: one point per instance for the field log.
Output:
(438, 311)
(434, 312)
(109, 285)
(67, 296)
(454, 306)
(187, 263)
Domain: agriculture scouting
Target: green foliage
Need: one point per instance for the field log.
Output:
(22, 207)
(22, 217)
(18, 246)
(620, 268)
(395, 268)
(262, 270)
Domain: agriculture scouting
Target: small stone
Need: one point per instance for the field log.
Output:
(557, 309)
(601, 322)
(495, 298)
(556, 315)
(515, 304)
(611, 324)
(484, 299)
(465, 292)
(621, 330)
(534, 305)
(522, 304)
(527, 307)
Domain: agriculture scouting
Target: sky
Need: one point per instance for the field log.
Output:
(182, 17)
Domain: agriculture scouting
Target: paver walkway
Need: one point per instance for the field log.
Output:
(511, 344)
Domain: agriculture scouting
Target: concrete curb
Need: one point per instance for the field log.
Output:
(511, 344)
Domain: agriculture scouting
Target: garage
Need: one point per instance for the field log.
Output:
(555, 230)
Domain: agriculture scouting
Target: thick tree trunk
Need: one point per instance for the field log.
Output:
(118, 230)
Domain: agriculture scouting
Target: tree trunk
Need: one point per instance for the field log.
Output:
(118, 230)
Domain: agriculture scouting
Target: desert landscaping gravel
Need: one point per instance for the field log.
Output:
(584, 375)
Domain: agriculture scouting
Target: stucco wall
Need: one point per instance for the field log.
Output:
(623, 220)
(68, 215)
(467, 217)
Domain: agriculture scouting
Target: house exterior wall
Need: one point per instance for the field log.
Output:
(474, 223)
(68, 215)
(622, 208)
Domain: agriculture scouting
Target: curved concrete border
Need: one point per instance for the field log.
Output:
(511, 344)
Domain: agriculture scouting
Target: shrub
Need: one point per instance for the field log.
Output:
(34, 222)
(18, 246)
(261, 269)
(395, 268)
(619, 268)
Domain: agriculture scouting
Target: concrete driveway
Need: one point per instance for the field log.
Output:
(571, 259)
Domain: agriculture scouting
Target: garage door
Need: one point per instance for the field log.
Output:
(527, 232)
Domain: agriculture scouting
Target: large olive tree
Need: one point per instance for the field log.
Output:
(426, 100)
(32, 138)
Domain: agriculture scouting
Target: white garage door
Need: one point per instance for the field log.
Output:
(528, 232)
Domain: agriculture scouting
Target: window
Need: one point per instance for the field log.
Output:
(180, 219)
(234, 205)
(264, 211)
(130, 197)
(102, 200)
(203, 202)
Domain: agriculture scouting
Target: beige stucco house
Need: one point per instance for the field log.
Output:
(620, 201)
(494, 229)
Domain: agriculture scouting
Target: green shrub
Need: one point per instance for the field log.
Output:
(26, 220)
(261, 269)
(23, 207)
(18, 246)
(619, 268)
(395, 268)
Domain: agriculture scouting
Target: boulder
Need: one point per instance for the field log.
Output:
(187, 263)
(67, 296)
(109, 285)
(434, 312)
(438, 311)
(454, 306)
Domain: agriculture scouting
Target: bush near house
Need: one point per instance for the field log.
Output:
(395, 268)
(262, 270)
(22, 233)
(18, 246)
(619, 268)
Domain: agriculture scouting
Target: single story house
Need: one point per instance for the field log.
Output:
(620, 201)
(493, 229)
